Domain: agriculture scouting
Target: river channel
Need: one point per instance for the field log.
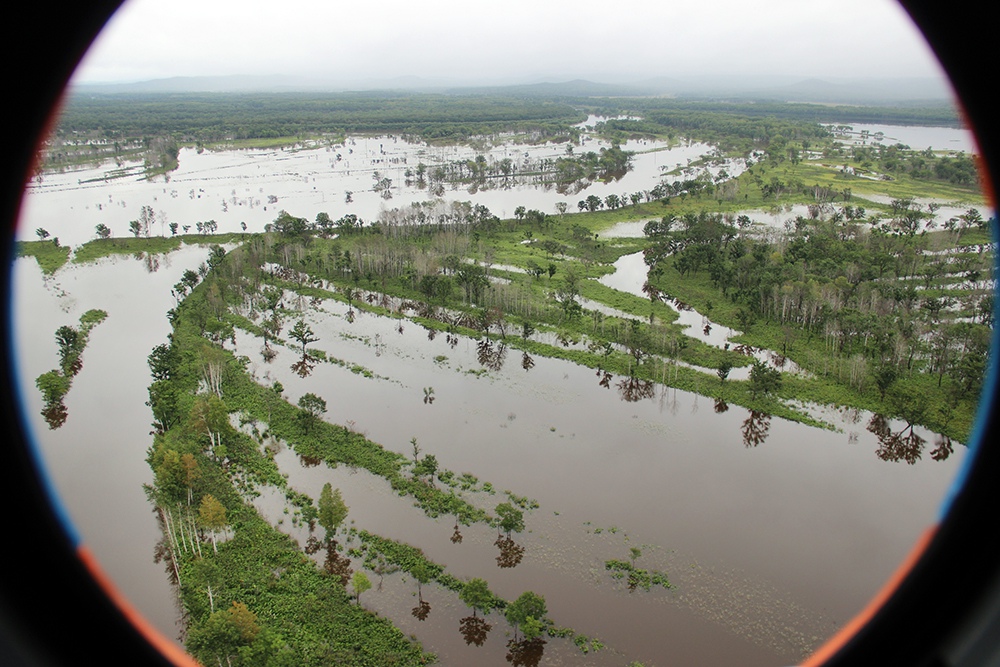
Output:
(773, 534)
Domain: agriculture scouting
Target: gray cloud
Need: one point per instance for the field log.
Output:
(510, 40)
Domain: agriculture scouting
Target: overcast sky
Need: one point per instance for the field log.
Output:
(505, 40)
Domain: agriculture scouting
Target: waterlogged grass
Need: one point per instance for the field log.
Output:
(156, 245)
(296, 608)
(409, 559)
(636, 577)
(49, 254)
(288, 611)
(240, 322)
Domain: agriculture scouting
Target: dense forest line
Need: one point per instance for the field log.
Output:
(127, 122)
(218, 117)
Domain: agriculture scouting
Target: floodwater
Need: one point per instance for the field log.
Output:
(251, 186)
(917, 137)
(772, 533)
(96, 460)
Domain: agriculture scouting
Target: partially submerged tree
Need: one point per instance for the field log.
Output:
(476, 594)
(332, 510)
(509, 518)
(303, 333)
(527, 608)
(360, 583)
(313, 408)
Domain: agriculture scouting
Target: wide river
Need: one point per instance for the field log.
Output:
(772, 533)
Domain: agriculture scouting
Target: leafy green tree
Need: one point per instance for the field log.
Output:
(422, 573)
(288, 225)
(42, 233)
(332, 509)
(163, 362)
(324, 222)
(170, 478)
(528, 606)
(209, 415)
(163, 401)
(102, 231)
(428, 467)
(360, 583)
(313, 408)
(885, 376)
(212, 516)
(219, 639)
(71, 344)
(723, 371)
(207, 573)
(476, 594)
(509, 518)
(764, 379)
(303, 334)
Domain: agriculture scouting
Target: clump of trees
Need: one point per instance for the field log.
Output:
(55, 384)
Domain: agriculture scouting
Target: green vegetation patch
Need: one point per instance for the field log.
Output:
(49, 254)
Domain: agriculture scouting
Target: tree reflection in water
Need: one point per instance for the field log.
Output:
(309, 461)
(525, 653)
(633, 389)
(421, 611)
(511, 552)
(304, 366)
(605, 379)
(942, 448)
(721, 406)
(474, 629)
(490, 355)
(905, 445)
(152, 263)
(337, 565)
(755, 428)
(55, 414)
(527, 363)
(456, 537)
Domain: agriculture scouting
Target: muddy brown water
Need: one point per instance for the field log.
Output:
(770, 547)
(96, 461)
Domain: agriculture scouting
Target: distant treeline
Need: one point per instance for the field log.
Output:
(210, 117)
(743, 127)
(229, 116)
(678, 113)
